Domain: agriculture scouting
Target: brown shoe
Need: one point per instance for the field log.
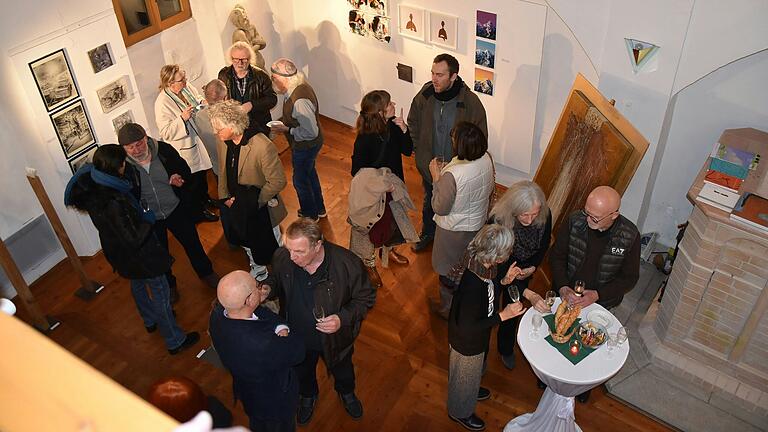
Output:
(373, 275)
(396, 257)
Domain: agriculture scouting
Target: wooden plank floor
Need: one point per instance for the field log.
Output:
(401, 356)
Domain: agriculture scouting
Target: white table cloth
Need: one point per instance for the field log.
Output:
(564, 380)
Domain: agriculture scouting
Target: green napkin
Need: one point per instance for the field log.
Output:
(565, 348)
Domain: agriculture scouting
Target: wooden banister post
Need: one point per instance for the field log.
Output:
(88, 288)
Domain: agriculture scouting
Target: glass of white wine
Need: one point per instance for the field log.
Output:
(578, 287)
(514, 294)
(621, 335)
(610, 344)
(318, 312)
(549, 298)
(536, 321)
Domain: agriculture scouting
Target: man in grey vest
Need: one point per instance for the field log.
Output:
(301, 126)
(599, 246)
(441, 103)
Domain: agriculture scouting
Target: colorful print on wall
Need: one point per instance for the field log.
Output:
(485, 25)
(484, 81)
(54, 80)
(485, 53)
(369, 18)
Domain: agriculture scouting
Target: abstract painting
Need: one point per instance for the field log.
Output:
(73, 128)
(54, 80)
(485, 25)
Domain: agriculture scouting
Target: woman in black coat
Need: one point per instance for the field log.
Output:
(126, 235)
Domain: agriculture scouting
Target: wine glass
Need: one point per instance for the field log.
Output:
(318, 312)
(549, 298)
(610, 344)
(536, 321)
(514, 294)
(621, 335)
(578, 287)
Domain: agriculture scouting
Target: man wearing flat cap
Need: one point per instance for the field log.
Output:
(158, 174)
(301, 126)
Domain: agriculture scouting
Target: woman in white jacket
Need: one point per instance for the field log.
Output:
(175, 109)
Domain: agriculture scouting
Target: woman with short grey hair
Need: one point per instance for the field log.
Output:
(523, 209)
(473, 314)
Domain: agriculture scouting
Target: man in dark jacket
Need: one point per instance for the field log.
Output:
(440, 104)
(250, 86)
(325, 293)
(157, 174)
(259, 351)
(599, 246)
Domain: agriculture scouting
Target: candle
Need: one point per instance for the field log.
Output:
(575, 347)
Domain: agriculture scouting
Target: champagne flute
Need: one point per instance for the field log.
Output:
(578, 287)
(514, 294)
(536, 321)
(318, 312)
(549, 298)
(611, 344)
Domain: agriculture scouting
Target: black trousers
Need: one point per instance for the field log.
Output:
(181, 225)
(343, 374)
(506, 336)
(198, 187)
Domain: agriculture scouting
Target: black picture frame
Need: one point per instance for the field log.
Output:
(101, 58)
(73, 128)
(81, 159)
(54, 80)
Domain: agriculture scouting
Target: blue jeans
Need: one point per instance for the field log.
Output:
(306, 183)
(155, 308)
(427, 214)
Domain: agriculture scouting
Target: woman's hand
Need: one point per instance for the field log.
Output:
(526, 273)
(512, 310)
(186, 114)
(400, 122)
(229, 202)
(537, 302)
(512, 273)
(434, 169)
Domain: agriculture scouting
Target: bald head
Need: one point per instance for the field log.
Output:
(234, 289)
(602, 207)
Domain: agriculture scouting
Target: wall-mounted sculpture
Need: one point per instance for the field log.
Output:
(246, 32)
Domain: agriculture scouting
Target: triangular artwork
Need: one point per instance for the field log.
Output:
(640, 54)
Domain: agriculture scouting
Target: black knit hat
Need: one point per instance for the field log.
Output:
(130, 133)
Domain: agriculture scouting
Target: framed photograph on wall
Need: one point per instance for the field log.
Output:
(100, 58)
(485, 25)
(83, 158)
(485, 53)
(443, 30)
(73, 128)
(54, 80)
(115, 94)
(484, 81)
(411, 22)
(122, 120)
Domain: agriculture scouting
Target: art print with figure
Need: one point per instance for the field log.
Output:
(443, 30)
(368, 25)
(411, 22)
(54, 80)
(73, 128)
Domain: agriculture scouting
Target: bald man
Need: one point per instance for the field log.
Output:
(256, 346)
(215, 91)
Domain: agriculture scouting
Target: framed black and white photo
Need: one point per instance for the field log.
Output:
(54, 80)
(73, 128)
(100, 58)
(122, 120)
(83, 158)
(115, 94)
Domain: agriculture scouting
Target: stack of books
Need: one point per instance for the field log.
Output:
(751, 210)
(728, 168)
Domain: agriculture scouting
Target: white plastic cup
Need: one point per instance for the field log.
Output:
(7, 307)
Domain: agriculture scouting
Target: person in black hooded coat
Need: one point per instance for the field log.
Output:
(127, 239)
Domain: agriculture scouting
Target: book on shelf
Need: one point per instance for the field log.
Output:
(719, 197)
(732, 161)
(723, 180)
(751, 210)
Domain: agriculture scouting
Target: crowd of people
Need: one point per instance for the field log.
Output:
(141, 188)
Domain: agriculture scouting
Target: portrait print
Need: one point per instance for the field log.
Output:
(411, 22)
(73, 128)
(115, 94)
(443, 30)
(100, 58)
(54, 80)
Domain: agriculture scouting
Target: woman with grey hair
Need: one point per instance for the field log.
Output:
(523, 209)
(250, 179)
(473, 314)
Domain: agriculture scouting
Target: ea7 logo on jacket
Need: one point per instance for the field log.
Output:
(617, 251)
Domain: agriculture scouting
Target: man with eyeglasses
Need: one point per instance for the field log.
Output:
(249, 85)
(599, 246)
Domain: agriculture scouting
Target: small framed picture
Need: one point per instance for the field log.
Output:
(485, 25)
(115, 94)
(54, 80)
(484, 81)
(100, 58)
(443, 30)
(485, 53)
(83, 158)
(411, 22)
(122, 120)
(73, 128)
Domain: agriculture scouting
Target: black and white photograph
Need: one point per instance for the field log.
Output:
(100, 58)
(122, 120)
(73, 128)
(54, 80)
(115, 94)
(85, 157)
(485, 54)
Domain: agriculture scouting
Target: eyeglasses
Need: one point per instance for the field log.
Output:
(596, 220)
(183, 80)
(240, 60)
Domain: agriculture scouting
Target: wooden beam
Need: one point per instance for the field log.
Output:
(39, 320)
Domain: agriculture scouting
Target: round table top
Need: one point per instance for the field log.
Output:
(594, 369)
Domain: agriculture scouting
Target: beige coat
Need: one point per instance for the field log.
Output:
(259, 166)
(175, 131)
(367, 198)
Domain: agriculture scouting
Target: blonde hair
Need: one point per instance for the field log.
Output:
(518, 199)
(228, 114)
(167, 73)
(245, 46)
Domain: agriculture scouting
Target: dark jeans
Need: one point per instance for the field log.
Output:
(155, 308)
(198, 188)
(306, 183)
(427, 214)
(182, 227)
(288, 425)
(343, 374)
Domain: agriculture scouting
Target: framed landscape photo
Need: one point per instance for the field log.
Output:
(73, 128)
(100, 58)
(83, 158)
(485, 54)
(122, 120)
(443, 30)
(484, 82)
(54, 80)
(485, 25)
(411, 22)
(115, 94)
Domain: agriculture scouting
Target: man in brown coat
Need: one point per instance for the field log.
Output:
(440, 104)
